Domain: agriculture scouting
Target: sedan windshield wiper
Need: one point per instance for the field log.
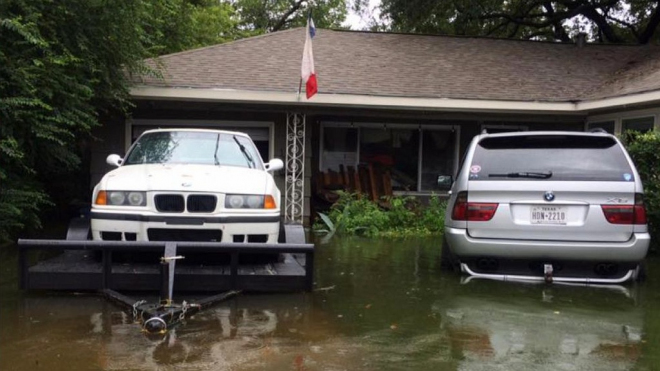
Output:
(535, 175)
(251, 163)
(215, 153)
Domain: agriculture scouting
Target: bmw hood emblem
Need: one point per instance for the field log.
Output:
(549, 196)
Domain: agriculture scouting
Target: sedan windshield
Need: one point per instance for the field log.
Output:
(193, 147)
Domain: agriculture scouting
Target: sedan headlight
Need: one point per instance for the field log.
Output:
(121, 198)
(249, 202)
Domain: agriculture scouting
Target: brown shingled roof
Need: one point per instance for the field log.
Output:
(406, 65)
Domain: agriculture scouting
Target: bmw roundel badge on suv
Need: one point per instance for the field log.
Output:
(549, 196)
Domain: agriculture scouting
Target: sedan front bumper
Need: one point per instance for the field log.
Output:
(230, 228)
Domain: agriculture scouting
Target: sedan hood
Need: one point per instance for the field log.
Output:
(187, 178)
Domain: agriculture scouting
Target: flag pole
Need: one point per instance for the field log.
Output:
(309, 14)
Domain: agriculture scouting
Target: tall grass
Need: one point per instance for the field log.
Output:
(396, 216)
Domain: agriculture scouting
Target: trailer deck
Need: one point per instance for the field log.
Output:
(206, 267)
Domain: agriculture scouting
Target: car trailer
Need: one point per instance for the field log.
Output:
(85, 265)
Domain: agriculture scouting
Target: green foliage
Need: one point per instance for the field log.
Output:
(64, 62)
(258, 16)
(394, 217)
(558, 20)
(644, 150)
(175, 25)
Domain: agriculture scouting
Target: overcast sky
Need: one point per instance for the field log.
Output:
(359, 21)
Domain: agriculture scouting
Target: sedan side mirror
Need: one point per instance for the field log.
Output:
(274, 165)
(114, 160)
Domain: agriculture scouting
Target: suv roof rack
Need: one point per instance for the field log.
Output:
(598, 130)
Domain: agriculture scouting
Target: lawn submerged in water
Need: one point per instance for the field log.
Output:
(377, 304)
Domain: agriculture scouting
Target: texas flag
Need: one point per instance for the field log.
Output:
(307, 70)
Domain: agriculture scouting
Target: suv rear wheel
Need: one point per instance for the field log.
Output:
(448, 261)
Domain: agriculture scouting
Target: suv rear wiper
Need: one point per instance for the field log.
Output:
(544, 175)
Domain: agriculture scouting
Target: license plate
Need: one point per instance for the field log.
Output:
(548, 215)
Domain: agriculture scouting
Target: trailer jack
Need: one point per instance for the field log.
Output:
(159, 318)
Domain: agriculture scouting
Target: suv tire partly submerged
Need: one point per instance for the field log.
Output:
(640, 272)
(448, 261)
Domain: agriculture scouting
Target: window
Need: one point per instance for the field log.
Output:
(396, 149)
(494, 128)
(438, 158)
(608, 126)
(418, 158)
(339, 147)
(642, 124)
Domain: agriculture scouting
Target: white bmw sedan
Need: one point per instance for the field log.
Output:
(188, 185)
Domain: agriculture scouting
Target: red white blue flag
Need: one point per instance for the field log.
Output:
(308, 74)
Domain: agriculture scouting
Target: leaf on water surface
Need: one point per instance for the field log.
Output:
(328, 288)
(328, 222)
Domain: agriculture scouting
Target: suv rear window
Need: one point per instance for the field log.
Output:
(550, 157)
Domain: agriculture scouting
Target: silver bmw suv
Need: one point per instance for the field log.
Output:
(552, 206)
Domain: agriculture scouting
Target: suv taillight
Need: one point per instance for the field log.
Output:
(626, 214)
(472, 211)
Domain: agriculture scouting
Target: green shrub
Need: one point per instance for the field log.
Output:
(392, 217)
(644, 148)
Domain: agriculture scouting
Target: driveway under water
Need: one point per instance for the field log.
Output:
(377, 305)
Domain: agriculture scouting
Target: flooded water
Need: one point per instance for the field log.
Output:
(378, 305)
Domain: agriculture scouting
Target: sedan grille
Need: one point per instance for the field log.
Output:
(201, 203)
(169, 203)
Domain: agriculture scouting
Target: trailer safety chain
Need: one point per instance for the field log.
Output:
(135, 307)
(184, 309)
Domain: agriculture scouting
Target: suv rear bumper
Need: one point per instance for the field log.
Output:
(464, 246)
(627, 275)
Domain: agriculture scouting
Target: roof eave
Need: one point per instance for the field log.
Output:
(391, 103)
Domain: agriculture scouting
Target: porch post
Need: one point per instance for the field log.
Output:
(295, 168)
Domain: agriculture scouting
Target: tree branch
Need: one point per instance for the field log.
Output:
(648, 32)
(589, 11)
(558, 28)
(630, 26)
(282, 21)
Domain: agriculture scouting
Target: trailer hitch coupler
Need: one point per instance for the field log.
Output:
(155, 325)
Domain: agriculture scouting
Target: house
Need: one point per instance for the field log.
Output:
(408, 102)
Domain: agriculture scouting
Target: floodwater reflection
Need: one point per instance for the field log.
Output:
(377, 305)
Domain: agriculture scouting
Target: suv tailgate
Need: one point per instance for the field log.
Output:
(575, 214)
(551, 187)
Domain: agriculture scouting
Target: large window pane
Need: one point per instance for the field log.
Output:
(642, 124)
(395, 149)
(608, 126)
(339, 148)
(438, 152)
